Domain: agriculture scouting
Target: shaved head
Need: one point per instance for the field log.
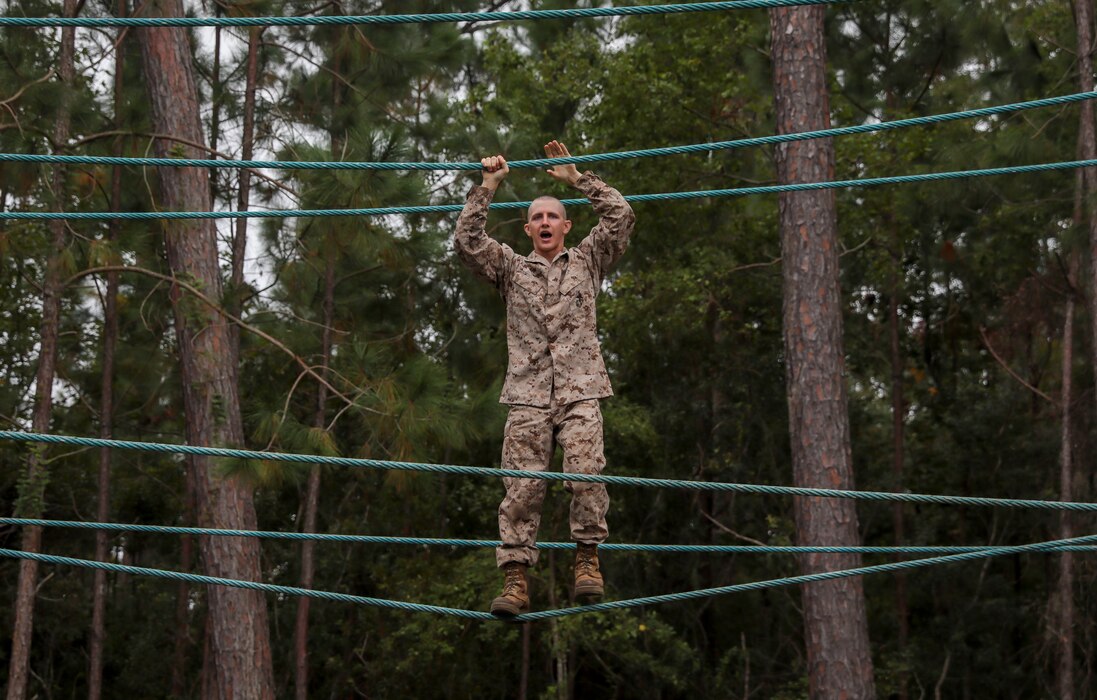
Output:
(547, 224)
(543, 199)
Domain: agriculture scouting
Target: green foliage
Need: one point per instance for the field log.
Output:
(31, 487)
(690, 326)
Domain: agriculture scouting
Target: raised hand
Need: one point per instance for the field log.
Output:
(495, 170)
(567, 174)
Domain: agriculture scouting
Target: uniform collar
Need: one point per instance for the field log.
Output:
(535, 257)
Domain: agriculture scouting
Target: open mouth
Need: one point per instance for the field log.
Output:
(546, 236)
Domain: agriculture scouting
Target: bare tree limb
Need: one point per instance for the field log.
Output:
(285, 411)
(123, 132)
(1008, 369)
(19, 93)
(213, 305)
(725, 529)
(6, 104)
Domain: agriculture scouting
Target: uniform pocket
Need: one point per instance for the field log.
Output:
(528, 282)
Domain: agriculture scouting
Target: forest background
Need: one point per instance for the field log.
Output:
(956, 302)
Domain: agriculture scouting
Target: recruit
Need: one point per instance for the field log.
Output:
(555, 372)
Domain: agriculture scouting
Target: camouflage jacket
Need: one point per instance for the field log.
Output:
(552, 333)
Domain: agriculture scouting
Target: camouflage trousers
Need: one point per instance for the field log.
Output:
(529, 442)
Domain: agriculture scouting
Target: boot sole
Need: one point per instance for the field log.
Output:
(588, 594)
(504, 609)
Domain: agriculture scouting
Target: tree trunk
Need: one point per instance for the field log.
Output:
(523, 677)
(558, 641)
(182, 597)
(235, 300)
(1064, 590)
(1084, 208)
(312, 493)
(239, 636)
(216, 95)
(312, 490)
(102, 513)
(106, 400)
(1083, 18)
(32, 490)
(898, 408)
(896, 283)
(836, 625)
(182, 624)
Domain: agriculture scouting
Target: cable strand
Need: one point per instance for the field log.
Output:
(425, 18)
(28, 437)
(549, 162)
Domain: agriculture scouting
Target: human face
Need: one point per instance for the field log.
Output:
(547, 227)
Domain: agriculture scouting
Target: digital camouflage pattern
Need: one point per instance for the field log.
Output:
(552, 333)
(528, 443)
(555, 371)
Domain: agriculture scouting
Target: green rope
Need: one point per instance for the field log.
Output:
(448, 542)
(404, 19)
(546, 476)
(251, 585)
(441, 208)
(808, 578)
(1053, 545)
(549, 162)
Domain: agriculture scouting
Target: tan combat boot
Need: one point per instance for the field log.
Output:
(515, 596)
(588, 579)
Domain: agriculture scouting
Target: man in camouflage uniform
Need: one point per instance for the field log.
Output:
(555, 375)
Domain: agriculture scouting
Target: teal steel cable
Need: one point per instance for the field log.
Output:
(549, 162)
(573, 13)
(465, 543)
(807, 578)
(547, 476)
(251, 585)
(1053, 545)
(442, 208)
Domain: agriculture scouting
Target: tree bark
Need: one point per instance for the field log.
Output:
(312, 489)
(106, 400)
(215, 103)
(523, 677)
(898, 409)
(182, 597)
(235, 301)
(835, 620)
(32, 490)
(558, 641)
(896, 284)
(1084, 209)
(1064, 590)
(182, 625)
(238, 618)
(1083, 18)
(312, 492)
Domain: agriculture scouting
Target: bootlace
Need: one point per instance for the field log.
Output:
(585, 562)
(513, 581)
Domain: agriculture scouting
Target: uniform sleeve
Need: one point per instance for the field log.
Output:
(607, 242)
(484, 256)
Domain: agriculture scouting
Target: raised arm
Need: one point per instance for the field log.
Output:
(486, 257)
(607, 242)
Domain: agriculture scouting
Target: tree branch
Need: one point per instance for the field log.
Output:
(1007, 368)
(168, 137)
(213, 305)
(724, 528)
(26, 87)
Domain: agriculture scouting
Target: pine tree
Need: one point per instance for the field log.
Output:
(835, 618)
(238, 618)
